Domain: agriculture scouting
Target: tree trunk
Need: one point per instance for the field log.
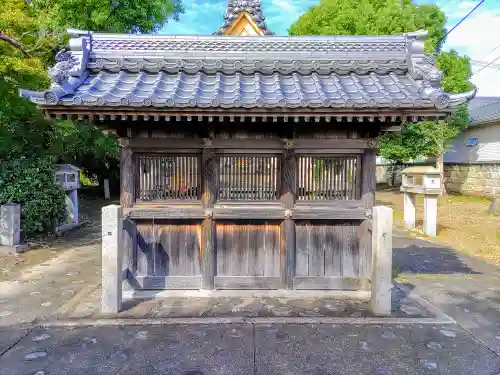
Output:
(440, 168)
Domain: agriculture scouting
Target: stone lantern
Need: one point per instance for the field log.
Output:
(425, 180)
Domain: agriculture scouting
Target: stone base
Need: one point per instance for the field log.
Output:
(13, 250)
(61, 229)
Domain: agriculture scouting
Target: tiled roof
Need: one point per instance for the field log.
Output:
(256, 90)
(484, 109)
(227, 71)
(252, 7)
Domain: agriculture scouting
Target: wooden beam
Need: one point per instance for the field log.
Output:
(325, 214)
(239, 144)
(330, 282)
(247, 282)
(287, 253)
(332, 210)
(165, 282)
(127, 177)
(246, 212)
(138, 212)
(325, 143)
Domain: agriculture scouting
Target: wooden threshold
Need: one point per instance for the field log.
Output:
(165, 212)
(247, 282)
(330, 283)
(165, 282)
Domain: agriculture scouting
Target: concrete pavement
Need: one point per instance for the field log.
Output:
(268, 349)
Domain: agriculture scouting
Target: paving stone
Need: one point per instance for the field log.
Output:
(211, 349)
(35, 355)
(347, 349)
(42, 337)
(448, 333)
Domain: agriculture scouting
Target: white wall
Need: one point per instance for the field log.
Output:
(487, 149)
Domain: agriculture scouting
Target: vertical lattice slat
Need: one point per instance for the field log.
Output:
(248, 177)
(169, 177)
(328, 177)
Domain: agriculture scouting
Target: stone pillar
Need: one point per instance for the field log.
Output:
(112, 253)
(381, 281)
(409, 210)
(73, 195)
(430, 215)
(10, 224)
(107, 194)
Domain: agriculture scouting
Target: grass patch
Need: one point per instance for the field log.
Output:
(463, 222)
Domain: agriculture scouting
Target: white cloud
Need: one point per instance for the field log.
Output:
(477, 37)
(285, 6)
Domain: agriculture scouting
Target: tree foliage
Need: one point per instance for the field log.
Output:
(369, 17)
(30, 34)
(372, 17)
(122, 16)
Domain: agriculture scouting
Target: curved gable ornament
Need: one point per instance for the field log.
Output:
(244, 18)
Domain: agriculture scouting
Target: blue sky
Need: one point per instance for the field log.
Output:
(471, 37)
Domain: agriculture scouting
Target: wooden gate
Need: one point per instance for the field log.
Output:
(265, 218)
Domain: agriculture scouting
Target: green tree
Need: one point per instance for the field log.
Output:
(122, 16)
(30, 34)
(372, 17)
(369, 17)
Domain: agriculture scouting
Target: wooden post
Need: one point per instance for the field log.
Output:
(208, 249)
(288, 178)
(287, 228)
(127, 199)
(287, 253)
(208, 253)
(112, 250)
(127, 191)
(369, 178)
(409, 210)
(381, 280)
(368, 187)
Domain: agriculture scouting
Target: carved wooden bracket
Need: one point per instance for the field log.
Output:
(373, 142)
(289, 143)
(123, 142)
(207, 143)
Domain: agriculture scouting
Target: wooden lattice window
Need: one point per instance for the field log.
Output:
(169, 177)
(327, 177)
(248, 177)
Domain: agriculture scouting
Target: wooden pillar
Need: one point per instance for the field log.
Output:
(287, 228)
(287, 252)
(127, 191)
(127, 199)
(288, 178)
(369, 178)
(368, 187)
(208, 248)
